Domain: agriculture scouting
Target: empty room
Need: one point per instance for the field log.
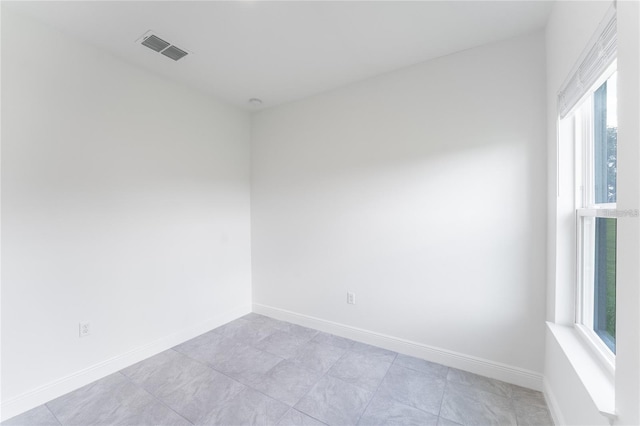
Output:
(320, 213)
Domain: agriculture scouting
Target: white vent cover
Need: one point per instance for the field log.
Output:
(158, 44)
(174, 53)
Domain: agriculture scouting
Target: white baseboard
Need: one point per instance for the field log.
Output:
(38, 396)
(552, 403)
(484, 367)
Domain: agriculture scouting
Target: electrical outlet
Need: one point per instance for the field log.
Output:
(85, 329)
(351, 298)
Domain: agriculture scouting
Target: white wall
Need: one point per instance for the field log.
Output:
(422, 191)
(125, 202)
(569, 29)
(628, 267)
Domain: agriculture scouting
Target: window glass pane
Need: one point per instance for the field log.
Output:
(605, 141)
(604, 312)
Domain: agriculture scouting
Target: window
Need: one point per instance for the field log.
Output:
(595, 130)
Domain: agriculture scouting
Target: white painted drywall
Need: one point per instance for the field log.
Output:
(628, 266)
(125, 202)
(422, 191)
(569, 29)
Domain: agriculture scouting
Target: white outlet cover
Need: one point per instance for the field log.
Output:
(84, 329)
(351, 298)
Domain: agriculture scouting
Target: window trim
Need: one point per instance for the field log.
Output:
(581, 116)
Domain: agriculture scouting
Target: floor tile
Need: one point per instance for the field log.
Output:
(232, 326)
(113, 400)
(480, 395)
(333, 340)
(383, 411)
(209, 348)
(287, 382)
(374, 351)
(470, 406)
(528, 396)
(317, 356)
(246, 363)
(249, 407)
(39, 416)
(360, 369)
(188, 387)
(296, 418)
(281, 344)
(436, 370)
(259, 370)
(209, 337)
(335, 402)
(446, 422)
(532, 414)
(262, 319)
(531, 407)
(246, 332)
(414, 388)
(298, 330)
(480, 382)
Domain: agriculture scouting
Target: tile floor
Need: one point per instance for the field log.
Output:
(260, 371)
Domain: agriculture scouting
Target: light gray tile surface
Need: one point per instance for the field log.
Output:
(113, 400)
(254, 369)
(246, 332)
(263, 319)
(246, 363)
(296, 418)
(532, 414)
(446, 422)
(186, 386)
(528, 396)
(209, 348)
(249, 407)
(479, 382)
(281, 343)
(298, 331)
(414, 388)
(317, 356)
(431, 368)
(373, 351)
(480, 395)
(333, 340)
(335, 402)
(39, 416)
(469, 406)
(286, 382)
(383, 411)
(360, 369)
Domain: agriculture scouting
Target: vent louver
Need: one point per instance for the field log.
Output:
(174, 53)
(159, 45)
(155, 43)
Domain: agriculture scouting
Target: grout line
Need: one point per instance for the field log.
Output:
(52, 413)
(444, 391)
(153, 395)
(324, 375)
(237, 380)
(375, 392)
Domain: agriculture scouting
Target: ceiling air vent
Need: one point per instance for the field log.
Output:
(153, 42)
(174, 53)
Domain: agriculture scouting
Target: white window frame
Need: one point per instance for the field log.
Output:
(582, 120)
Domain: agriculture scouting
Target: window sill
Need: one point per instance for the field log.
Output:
(594, 376)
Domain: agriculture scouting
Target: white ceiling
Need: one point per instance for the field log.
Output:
(284, 51)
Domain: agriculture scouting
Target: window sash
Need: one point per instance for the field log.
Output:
(586, 296)
(591, 197)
